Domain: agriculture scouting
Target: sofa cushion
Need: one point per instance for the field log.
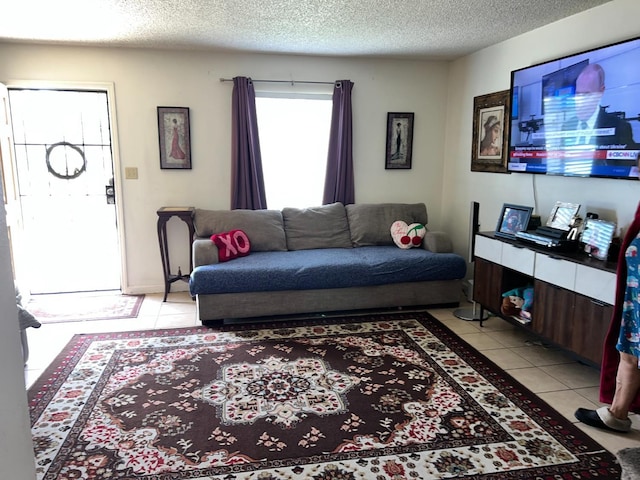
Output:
(316, 227)
(370, 223)
(231, 245)
(325, 268)
(407, 236)
(263, 227)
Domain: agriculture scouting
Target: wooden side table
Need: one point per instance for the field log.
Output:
(164, 214)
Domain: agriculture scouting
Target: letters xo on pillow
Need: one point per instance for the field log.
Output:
(232, 244)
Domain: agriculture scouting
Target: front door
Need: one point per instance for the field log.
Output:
(64, 170)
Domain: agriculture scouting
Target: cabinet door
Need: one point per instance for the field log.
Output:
(590, 325)
(553, 312)
(488, 248)
(598, 284)
(518, 258)
(487, 284)
(552, 269)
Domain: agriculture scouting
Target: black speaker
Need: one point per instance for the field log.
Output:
(471, 313)
(474, 227)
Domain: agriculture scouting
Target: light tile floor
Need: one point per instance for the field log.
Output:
(549, 372)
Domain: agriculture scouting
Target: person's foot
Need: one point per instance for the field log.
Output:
(602, 418)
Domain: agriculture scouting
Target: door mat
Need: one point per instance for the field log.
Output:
(78, 307)
(379, 397)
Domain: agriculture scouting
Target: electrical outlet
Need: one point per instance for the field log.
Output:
(131, 173)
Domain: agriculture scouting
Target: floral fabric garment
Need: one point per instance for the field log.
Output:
(629, 340)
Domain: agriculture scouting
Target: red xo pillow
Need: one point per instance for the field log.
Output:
(232, 244)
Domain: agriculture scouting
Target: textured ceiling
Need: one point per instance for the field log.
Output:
(436, 29)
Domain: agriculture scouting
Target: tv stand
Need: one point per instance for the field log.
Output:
(573, 293)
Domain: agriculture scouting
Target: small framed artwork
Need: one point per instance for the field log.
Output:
(597, 236)
(562, 214)
(512, 219)
(489, 149)
(174, 137)
(399, 140)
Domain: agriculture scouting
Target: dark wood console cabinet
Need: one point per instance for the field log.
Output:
(487, 284)
(573, 294)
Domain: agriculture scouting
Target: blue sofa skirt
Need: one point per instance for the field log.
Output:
(325, 268)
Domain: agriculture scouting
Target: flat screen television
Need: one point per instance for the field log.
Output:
(578, 115)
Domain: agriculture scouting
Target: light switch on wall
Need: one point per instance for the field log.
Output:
(131, 173)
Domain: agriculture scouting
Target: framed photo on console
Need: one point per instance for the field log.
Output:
(596, 236)
(512, 219)
(562, 214)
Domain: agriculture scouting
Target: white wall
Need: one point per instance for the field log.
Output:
(489, 71)
(144, 80)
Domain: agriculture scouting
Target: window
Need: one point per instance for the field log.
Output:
(294, 140)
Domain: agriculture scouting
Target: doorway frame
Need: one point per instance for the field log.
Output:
(109, 88)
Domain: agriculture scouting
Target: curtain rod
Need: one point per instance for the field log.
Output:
(281, 81)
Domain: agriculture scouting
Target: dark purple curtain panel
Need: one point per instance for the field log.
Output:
(338, 183)
(247, 180)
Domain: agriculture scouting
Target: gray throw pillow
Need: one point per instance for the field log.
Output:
(316, 227)
(370, 223)
(263, 227)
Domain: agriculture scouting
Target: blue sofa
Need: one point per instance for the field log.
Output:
(320, 259)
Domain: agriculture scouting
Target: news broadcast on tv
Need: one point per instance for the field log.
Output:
(578, 115)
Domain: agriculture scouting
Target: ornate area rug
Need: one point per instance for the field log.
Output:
(395, 396)
(76, 307)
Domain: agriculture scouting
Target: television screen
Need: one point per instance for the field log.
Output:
(578, 115)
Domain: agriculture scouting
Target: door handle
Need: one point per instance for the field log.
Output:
(110, 193)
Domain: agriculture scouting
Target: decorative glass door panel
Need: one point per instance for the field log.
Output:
(64, 169)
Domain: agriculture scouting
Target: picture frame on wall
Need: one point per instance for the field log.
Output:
(174, 137)
(489, 149)
(399, 140)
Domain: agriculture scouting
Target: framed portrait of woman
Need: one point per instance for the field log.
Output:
(174, 137)
(399, 140)
(489, 152)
